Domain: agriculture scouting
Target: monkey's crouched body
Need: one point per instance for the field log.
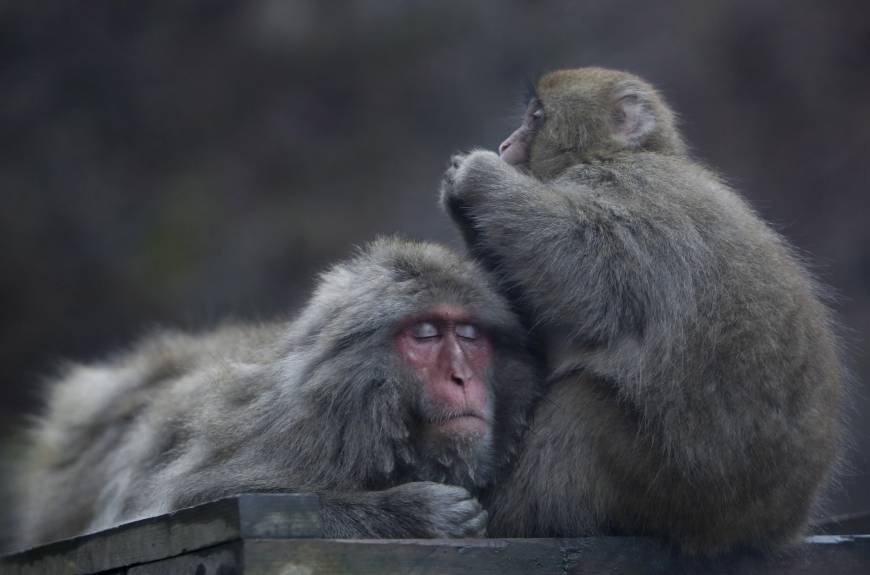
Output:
(695, 380)
(398, 394)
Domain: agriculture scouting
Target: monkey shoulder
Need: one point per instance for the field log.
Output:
(663, 190)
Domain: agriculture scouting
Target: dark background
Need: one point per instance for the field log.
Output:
(185, 161)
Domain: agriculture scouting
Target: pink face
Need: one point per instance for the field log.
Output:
(516, 149)
(450, 355)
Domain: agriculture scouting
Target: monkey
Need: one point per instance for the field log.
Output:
(397, 394)
(694, 372)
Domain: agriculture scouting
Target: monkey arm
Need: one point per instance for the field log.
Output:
(571, 254)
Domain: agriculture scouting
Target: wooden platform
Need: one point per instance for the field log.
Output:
(267, 534)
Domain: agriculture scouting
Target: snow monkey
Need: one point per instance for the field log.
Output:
(694, 378)
(398, 394)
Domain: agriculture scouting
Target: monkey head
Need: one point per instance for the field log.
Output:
(418, 364)
(579, 115)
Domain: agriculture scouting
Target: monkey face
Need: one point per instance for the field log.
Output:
(449, 358)
(450, 355)
(516, 149)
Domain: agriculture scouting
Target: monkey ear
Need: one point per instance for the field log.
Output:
(634, 115)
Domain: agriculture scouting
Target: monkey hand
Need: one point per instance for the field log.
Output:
(440, 510)
(467, 181)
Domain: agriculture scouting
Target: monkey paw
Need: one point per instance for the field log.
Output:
(448, 181)
(463, 185)
(443, 510)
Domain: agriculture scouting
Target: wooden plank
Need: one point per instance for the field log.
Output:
(417, 556)
(279, 516)
(254, 515)
(221, 560)
(846, 525)
(271, 534)
(610, 555)
(624, 555)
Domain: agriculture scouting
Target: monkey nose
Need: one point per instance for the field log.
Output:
(504, 146)
(460, 373)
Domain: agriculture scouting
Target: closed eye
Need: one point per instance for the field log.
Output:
(425, 330)
(467, 331)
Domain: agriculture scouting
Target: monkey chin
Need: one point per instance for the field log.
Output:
(457, 450)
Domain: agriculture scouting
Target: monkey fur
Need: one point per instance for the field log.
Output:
(320, 404)
(694, 375)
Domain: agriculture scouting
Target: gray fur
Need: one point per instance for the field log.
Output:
(695, 378)
(321, 404)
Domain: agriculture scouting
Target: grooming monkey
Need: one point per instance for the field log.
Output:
(398, 393)
(695, 380)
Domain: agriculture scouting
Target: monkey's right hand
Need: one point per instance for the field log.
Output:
(439, 510)
(449, 195)
(466, 175)
(457, 194)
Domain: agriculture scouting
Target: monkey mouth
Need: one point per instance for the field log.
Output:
(459, 424)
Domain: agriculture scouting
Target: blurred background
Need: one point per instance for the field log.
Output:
(181, 162)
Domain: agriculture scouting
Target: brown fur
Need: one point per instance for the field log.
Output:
(695, 376)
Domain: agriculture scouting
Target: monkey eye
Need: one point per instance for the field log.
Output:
(467, 331)
(424, 330)
(538, 115)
